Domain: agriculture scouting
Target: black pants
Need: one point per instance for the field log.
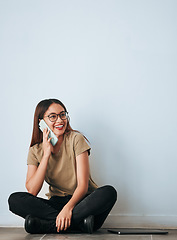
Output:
(99, 203)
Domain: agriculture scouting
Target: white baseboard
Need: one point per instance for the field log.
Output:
(161, 222)
(122, 221)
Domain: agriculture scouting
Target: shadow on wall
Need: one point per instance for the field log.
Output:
(113, 162)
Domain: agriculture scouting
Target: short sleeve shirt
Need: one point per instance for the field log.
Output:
(61, 169)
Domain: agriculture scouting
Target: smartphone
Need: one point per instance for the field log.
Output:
(42, 126)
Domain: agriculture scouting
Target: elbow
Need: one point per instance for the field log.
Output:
(30, 190)
(83, 187)
(33, 193)
(86, 189)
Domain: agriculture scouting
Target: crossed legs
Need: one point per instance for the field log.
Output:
(99, 203)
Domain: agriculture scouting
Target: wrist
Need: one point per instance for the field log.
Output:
(69, 206)
(46, 155)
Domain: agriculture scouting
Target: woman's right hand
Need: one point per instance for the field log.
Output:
(47, 146)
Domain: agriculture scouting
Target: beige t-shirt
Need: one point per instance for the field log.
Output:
(61, 170)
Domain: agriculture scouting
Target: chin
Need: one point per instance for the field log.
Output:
(59, 134)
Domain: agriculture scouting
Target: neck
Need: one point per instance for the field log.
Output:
(60, 139)
(58, 144)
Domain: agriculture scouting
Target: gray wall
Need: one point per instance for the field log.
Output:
(113, 64)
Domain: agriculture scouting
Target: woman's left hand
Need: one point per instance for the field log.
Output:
(63, 220)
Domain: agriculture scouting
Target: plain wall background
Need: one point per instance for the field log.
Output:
(114, 65)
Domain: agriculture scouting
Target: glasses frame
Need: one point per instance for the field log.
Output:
(58, 115)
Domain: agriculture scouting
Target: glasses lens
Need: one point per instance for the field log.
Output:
(53, 117)
(63, 115)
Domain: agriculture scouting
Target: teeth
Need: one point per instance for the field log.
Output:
(59, 126)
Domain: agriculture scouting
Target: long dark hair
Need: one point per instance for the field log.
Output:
(41, 108)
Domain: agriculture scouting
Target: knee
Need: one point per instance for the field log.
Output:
(110, 192)
(14, 199)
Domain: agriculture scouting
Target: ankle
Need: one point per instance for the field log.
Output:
(36, 225)
(87, 224)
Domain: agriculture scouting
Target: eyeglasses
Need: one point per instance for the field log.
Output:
(53, 116)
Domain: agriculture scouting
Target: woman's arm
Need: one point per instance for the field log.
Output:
(63, 219)
(35, 175)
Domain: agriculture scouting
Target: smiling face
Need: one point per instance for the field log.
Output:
(59, 126)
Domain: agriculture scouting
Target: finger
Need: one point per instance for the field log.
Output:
(49, 139)
(58, 225)
(67, 224)
(62, 224)
(45, 130)
(57, 221)
(45, 133)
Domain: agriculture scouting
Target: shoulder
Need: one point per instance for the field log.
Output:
(35, 154)
(36, 149)
(74, 137)
(77, 142)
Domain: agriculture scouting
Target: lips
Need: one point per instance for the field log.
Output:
(59, 127)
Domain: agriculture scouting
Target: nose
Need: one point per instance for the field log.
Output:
(58, 118)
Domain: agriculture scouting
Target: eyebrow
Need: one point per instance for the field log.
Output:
(55, 113)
